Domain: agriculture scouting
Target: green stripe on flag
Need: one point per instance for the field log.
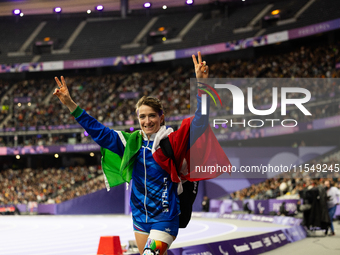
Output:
(111, 167)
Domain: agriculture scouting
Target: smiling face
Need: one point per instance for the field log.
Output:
(149, 119)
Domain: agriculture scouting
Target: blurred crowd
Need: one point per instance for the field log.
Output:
(57, 185)
(48, 185)
(327, 168)
(305, 62)
(4, 100)
(111, 98)
(276, 187)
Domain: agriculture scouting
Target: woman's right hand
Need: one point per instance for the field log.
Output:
(63, 94)
(201, 68)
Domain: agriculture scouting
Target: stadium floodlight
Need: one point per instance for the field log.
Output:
(189, 2)
(16, 11)
(147, 5)
(99, 8)
(21, 14)
(275, 12)
(164, 7)
(88, 11)
(57, 10)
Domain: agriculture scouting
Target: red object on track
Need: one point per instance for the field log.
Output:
(109, 245)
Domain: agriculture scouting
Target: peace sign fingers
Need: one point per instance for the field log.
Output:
(201, 69)
(61, 84)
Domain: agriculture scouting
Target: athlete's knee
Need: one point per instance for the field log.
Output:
(155, 247)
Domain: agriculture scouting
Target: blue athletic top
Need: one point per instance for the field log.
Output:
(153, 194)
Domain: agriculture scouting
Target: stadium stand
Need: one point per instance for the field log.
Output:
(217, 28)
(50, 185)
(288, 9)
(104, 36)
(98, 94)
(59, 31)
(319, 11)
(289, 186)
(14, 36)
(94, 95)
(174, 21)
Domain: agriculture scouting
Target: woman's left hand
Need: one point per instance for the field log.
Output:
(201, 68)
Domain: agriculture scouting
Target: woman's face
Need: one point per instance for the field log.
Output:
(149, 120)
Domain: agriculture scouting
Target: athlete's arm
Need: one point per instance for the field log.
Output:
(103, 136)
(200, 122)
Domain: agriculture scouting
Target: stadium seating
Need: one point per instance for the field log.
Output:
(98, 94)
(105, 36)
(50, 185)
(101, 95)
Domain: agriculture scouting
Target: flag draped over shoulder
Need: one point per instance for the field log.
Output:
(117, 169)
(205, 152)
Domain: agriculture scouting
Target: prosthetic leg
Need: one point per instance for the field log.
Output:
(155, 247)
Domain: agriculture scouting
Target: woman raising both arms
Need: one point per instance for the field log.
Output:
(154, 198)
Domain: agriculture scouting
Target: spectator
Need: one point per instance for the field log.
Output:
(333, 195)
(205, 204)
